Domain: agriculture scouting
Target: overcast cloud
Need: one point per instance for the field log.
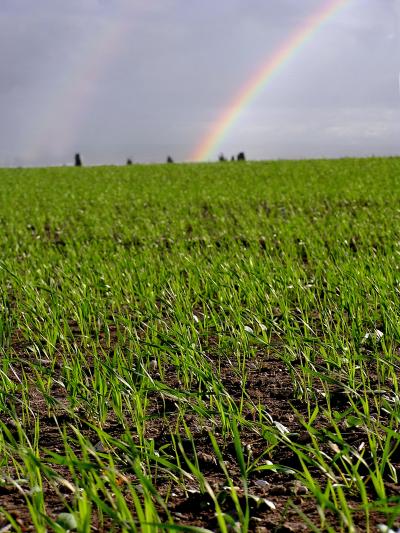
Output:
(143, 79)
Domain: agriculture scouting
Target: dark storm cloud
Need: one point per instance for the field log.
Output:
(171, 67)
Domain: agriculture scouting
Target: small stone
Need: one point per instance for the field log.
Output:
(278, 490)
(261, 482)
(299, 489)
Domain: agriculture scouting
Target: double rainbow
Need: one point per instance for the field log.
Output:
(274, 63)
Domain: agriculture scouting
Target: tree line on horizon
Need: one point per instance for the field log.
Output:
(221, 158)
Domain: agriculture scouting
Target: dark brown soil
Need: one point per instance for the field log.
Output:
(278, 501)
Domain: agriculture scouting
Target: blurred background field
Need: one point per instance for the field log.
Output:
(210, 345)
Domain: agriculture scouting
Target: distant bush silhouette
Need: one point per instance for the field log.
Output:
(241, 156)
(221, 157)
(129, 161)
(169, 159)
(78, 160)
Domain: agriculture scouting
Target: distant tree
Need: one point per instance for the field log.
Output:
(221, 157)
(241, 156)
(129, 161)
(169, 159)
(78, 160)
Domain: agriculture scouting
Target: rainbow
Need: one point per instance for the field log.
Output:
(274, 63)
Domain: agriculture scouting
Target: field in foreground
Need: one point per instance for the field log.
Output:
(214, 346)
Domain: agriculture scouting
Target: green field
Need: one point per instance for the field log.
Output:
(213, 345)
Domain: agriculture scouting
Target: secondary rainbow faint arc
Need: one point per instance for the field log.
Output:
(71, 102)
(257, 83)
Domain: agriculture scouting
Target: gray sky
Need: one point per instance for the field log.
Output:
(143, 79)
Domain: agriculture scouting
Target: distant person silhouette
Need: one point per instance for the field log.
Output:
(78, 160)
(169, 159)
(129, 161)
(241, 156)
